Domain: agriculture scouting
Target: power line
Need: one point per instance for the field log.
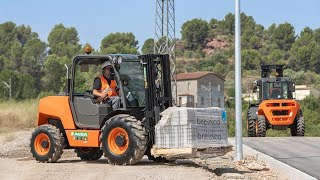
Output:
(165, 37)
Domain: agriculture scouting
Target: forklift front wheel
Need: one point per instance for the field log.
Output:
(46, 143)
(123, 140)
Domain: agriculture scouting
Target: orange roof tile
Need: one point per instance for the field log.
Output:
(194, 75)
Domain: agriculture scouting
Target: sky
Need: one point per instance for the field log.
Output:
(95, 19)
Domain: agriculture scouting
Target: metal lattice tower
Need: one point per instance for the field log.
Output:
(165, 37)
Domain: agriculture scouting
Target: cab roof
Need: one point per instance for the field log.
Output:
(99, 59)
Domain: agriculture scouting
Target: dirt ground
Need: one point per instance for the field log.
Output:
(16, 162)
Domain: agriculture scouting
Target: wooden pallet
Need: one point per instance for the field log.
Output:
(186, 153)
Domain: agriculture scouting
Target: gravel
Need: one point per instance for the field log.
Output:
(17, 146)
(16, 162)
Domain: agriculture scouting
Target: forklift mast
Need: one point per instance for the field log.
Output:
(266, 70)
(157, 84)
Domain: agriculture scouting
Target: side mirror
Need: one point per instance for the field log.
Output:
(255, 89)
(254, 86)
(293, 88)
(84, 68)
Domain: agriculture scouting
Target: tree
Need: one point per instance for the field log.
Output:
(214, 28)
(148, 46)
(283, 36)
(305, 52)
(13, 39)
(317, 35)
(7, 36)
(251, 59)
(23, 85)
(63, 41)
(23, 52)
(122, 43)
(54, 73)
(194, 33)
(32, 60)
(227, 24)
(275, 57)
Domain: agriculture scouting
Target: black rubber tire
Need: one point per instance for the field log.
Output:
(89, 153)
(158, 159)
(262, 126)
(251, 126)
(137, 139)
(55, 140)
(298, 127)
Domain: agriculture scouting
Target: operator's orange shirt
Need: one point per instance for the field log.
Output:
(109, 89)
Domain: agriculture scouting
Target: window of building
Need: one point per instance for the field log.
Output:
(189, 86)
(219, 87)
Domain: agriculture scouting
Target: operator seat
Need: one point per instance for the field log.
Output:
(275, 93)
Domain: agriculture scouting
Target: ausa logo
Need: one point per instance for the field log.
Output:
(83, 136)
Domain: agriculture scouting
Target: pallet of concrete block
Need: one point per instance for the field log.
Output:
(191, 136)
(191, 132)
(187, 153)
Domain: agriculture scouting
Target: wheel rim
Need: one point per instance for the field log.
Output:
(112, 141)
(42, 144)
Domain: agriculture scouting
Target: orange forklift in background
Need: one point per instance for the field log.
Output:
(74, 120)
(276, 109)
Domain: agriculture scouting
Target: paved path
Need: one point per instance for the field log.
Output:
(302, 153)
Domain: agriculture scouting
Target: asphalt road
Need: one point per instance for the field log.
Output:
(302, 153)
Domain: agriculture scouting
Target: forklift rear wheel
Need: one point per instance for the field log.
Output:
(88, 153)
(251, 126)
(297, 128)
(261, 126)
(46, 143)
(123, 140)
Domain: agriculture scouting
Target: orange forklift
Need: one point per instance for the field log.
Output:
(276, 107)
(74, 120)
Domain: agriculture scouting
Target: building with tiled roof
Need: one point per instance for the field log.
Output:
(200, 89)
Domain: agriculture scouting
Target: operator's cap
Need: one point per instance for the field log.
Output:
(105, 64)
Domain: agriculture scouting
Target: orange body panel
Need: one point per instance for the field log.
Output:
(83, 138)
(279, 112)
(56, 107)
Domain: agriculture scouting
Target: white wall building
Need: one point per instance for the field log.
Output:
(200, 89)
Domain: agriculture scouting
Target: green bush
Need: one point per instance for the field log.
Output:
(45, 94)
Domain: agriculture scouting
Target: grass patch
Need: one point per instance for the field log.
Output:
(18, 115)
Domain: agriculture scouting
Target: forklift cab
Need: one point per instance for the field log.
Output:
(276, 88)
(127, 71)
(143, 82)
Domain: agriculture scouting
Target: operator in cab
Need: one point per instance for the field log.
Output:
(105, 88)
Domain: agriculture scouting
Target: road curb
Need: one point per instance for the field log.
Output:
(274, 164)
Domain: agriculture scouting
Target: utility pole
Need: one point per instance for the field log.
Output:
(9, 86)
(210, 94)
(165, 38)
(238, 144)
